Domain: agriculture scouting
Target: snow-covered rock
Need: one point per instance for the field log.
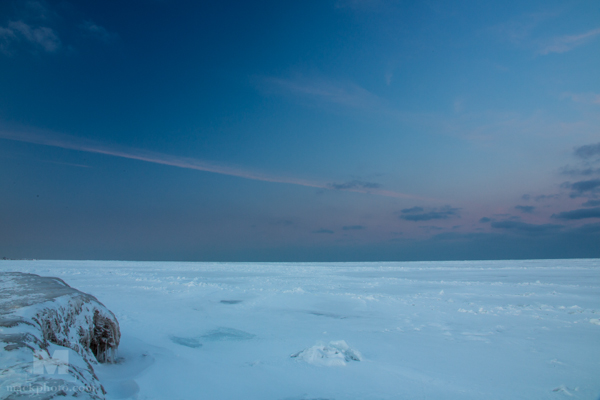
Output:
(51, 336)
(335, 354)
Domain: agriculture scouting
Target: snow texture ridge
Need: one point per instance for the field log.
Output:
(51, 335)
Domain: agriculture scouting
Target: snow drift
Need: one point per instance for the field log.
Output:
(51, 335)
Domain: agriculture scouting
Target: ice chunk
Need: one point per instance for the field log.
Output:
(335, 354)
(47, 327)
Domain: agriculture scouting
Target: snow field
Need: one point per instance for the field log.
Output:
(430, 330)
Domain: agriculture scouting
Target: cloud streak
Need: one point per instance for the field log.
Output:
(583, 186)
(72, 143)
(353, 228)
(525, 209)
(41, 37)
(97, 31)
(328, 231)
(579, 214)
(328, 92)
(588, 151)
(354, 185)
(525, 228)
(562, 44)
(418, 214)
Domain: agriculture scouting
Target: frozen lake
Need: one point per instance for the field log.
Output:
(420, 330)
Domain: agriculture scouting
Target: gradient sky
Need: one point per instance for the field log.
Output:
(325, 130)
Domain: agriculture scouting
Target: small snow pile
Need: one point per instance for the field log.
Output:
(335, 354)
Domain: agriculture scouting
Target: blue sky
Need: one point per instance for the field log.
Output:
(299, 131)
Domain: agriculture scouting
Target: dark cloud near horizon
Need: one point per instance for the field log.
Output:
(419, 214)
(429, 228)
(485, 220)
(588, 229)
(580, 187)
(353, 227)
(323, 231)
(540, 197)
(282, 222)
(525, 228)
(591, 203)
(525, 209)
(579, 172)
(588, 151)
(546, 197)
(581, 213)
(354, 184)
(579, 242)
(412, 210)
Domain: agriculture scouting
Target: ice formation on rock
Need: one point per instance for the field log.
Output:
(51, 335)
(336, 353)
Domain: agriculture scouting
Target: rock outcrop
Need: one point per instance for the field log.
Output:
(51, 336)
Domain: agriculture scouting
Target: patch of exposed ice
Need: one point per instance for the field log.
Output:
(187, 342)
(222, 333)
(230, 301)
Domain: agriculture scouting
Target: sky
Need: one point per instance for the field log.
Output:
(285, 131)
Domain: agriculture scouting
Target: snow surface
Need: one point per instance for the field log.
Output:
(429, 330)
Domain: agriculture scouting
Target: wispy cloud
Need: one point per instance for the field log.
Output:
(525, 209)
(97, 31)
(562, 44)
(419, 214)
(584, 98)
(567, 170)
(525, 228)
(35, 27)
(579, 214)
(582, 187)
(353, 227)
(518, 30)
(523, 31)
(344, 94)
(354, 185)
(329, 231)
(588, 151)
(72, 143)
(42, 37)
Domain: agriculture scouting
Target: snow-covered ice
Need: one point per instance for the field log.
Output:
(422, 330)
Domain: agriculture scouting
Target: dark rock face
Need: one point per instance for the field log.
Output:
(51, 335)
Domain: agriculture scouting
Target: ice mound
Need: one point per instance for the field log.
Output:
(51, 335)
(335, 354)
